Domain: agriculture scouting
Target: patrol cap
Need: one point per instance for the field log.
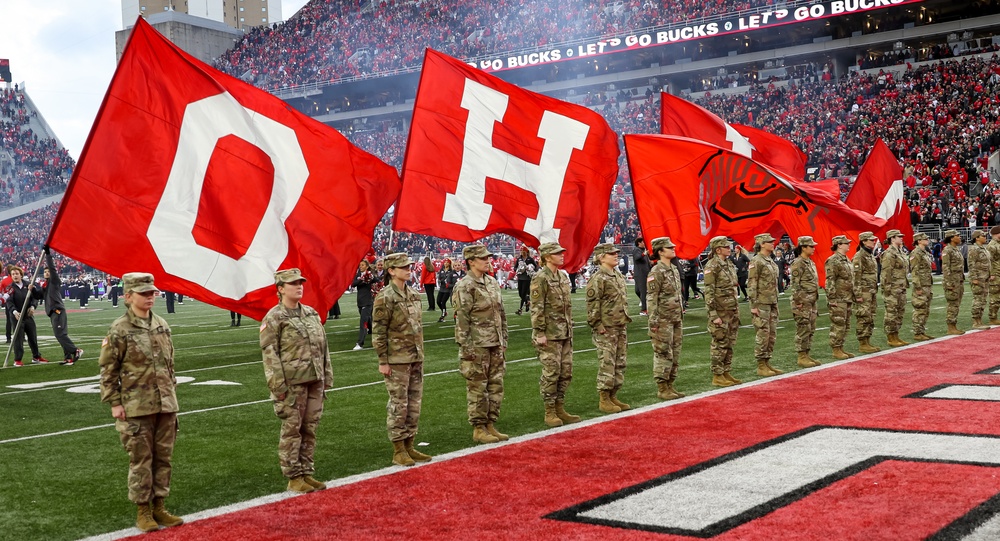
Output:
(977, 233)
(995, 230)
(661, 243)
(893, 233)
(604, 249)
(550, 248)
(950, 233)
(919, 237)
(397, 260)
(718, 242)
(806, 241)
(138, 282)
(842, 239)
(867, 235)
(285, 276)
(763, 237)
(476, 251)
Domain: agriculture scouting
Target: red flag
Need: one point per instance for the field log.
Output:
(681, 117)
(212, 185)
(879, 190)
(485, 157)
(692, 191)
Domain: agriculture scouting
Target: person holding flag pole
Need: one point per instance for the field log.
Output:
(23, 312)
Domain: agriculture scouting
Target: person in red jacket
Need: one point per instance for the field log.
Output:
(428, 278)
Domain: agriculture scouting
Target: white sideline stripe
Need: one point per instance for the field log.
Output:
(50, 383)
(344, 481)
(967, 392)
(988, 531)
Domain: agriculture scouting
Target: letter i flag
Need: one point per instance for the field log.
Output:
(212, 185)
(485, 157)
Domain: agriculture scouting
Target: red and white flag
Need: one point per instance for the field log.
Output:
(212, 185)
(879, 190)
(485, 157)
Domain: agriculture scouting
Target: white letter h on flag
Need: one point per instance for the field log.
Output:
(480, 159)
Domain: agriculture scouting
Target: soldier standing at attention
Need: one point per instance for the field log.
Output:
(721, 301)
(552, 332)
(839, 294)
(953, 267)
(866, 291)
(994, 248)
(895, 267)
(297, 367)
(923, 281)
(762, 287)
(607, 315)
(805, 294)
(481, 335)
(137, 380)
(666, 309)
(979, 275)
(398, 340)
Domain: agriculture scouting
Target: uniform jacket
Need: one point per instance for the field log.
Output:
(551, 306)
(994, 249)
(663, 294)
(137, 366)
(865, 272)
(607, 303)
(397, 331)
(762, 280)
(294, 348)
(920, 268)
(979, 263)
(895, 266)
(839, 279)
(805, 282)
(720, 287)
(480, 319)
(952, 266)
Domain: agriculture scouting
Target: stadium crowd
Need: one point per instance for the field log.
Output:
(41, 167)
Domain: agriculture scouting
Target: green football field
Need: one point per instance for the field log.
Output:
(63, 470)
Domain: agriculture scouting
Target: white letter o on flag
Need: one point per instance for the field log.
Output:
(171, 231)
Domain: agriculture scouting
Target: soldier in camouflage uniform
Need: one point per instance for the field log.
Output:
(398, 340)
(866, 290)
(607, 315)
(666, 309)
(762, 288)
(481, 335)
(895, 267)
(953, 267)
(552, 332)
(137, 381)
(994, 248)
(721, 301)
(923, 282)
(297, 368)
(979, 276)
(805, 294)
(839, 294)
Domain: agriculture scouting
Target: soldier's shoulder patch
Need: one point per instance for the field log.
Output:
(104, 344)
(263, 326)
(535, 292)
(591, 293)
(650, 279)
(379, 312)
(752, 265)
(708, 271)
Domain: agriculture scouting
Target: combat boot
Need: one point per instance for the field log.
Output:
(804, 361)
(551, 419)
(773, 369)
(414, 454)
(496, 433)
(977, 323)
(565, 416)
(481, 435)
(144, 518)
(922, 337)
(895, 341)
(313, 483)
(719, 380)
(297, 484)
(994, 321)
(675, 391)
(731, 379)
(162, 516)
(605, 404)
(954, 330)
(621, 405)
(763, 370)
(840, 354)
(399, 455)
(663, 391)
(867, 347)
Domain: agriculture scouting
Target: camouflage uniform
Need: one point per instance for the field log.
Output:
(721, 300)
(979, 275)
(895, 267)
(953, 267)
(481, 335)
(666, 308)
(805, 294)
(296, 365)
(994, 249)
(866, 292)
(398, 340)
(762, 287)
(923, 281)
(607, 315)
(839, 296)
(137, 372)
(552, 317)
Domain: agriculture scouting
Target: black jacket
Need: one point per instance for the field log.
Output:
(52, 293)
(363, 281)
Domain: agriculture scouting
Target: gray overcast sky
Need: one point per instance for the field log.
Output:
(64, 52)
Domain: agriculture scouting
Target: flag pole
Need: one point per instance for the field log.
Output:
(27, 299)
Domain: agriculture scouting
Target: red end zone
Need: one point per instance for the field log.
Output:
(863, 450)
